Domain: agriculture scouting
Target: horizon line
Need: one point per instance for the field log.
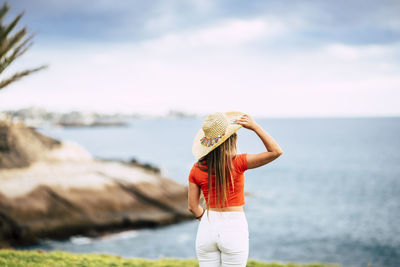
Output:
(175, 113)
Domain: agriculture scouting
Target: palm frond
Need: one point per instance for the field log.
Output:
(19, 75)
(3, 11)
(12, 47)
(9, 43)
(17, 52)
(10, 27)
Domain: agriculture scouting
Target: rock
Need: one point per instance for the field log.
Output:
(146, 166)
(21, 145)
(64, 192)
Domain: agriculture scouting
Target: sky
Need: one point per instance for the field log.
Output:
(263, 57)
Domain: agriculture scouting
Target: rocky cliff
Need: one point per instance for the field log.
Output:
(51, 189)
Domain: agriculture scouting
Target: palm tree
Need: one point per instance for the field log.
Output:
(12, 47)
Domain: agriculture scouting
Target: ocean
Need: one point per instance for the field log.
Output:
(332, 197)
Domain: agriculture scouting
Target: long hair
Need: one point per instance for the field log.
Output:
(218, 164)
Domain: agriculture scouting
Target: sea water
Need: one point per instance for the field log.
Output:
(332, 197)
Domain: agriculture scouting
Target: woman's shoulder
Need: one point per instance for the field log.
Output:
(196, 166)
(239, 156)
(240, 161)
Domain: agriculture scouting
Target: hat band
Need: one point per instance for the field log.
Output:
(208, 142)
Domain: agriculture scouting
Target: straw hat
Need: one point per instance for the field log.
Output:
(216, 128)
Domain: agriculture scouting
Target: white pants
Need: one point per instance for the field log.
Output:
(222, 238)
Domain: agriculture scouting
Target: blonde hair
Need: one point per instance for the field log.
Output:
(219, 163)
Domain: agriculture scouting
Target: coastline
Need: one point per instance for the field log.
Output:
(53, 189)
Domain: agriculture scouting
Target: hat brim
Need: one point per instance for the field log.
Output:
(200, 150)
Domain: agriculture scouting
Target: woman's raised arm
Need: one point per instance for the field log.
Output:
(273, 149)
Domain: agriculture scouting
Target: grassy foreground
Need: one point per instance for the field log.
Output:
(14, 258)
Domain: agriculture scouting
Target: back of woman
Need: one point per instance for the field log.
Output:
(222, 235)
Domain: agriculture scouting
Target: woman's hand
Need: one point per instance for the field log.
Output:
(247, 122)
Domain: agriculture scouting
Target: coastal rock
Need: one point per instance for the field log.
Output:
(64, 191)
(20, 145)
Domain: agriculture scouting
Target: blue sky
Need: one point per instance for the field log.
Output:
(267, 58)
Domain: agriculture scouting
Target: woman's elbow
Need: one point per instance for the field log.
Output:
(191, 206)
(275, 155)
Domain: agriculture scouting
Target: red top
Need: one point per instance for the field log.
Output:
(236, 197)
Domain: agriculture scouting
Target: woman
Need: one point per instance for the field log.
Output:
(222, 237)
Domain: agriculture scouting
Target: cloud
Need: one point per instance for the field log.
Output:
(368, 52)
(267, 58)
(226, 33)
(354, 22)
(193, 72)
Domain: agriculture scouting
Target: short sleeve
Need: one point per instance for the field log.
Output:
(192, 177)
(241, 162)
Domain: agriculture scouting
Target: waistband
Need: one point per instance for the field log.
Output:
(224, 214)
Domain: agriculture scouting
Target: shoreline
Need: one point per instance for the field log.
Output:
(53, 190)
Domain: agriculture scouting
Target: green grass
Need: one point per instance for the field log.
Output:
(36, 258)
